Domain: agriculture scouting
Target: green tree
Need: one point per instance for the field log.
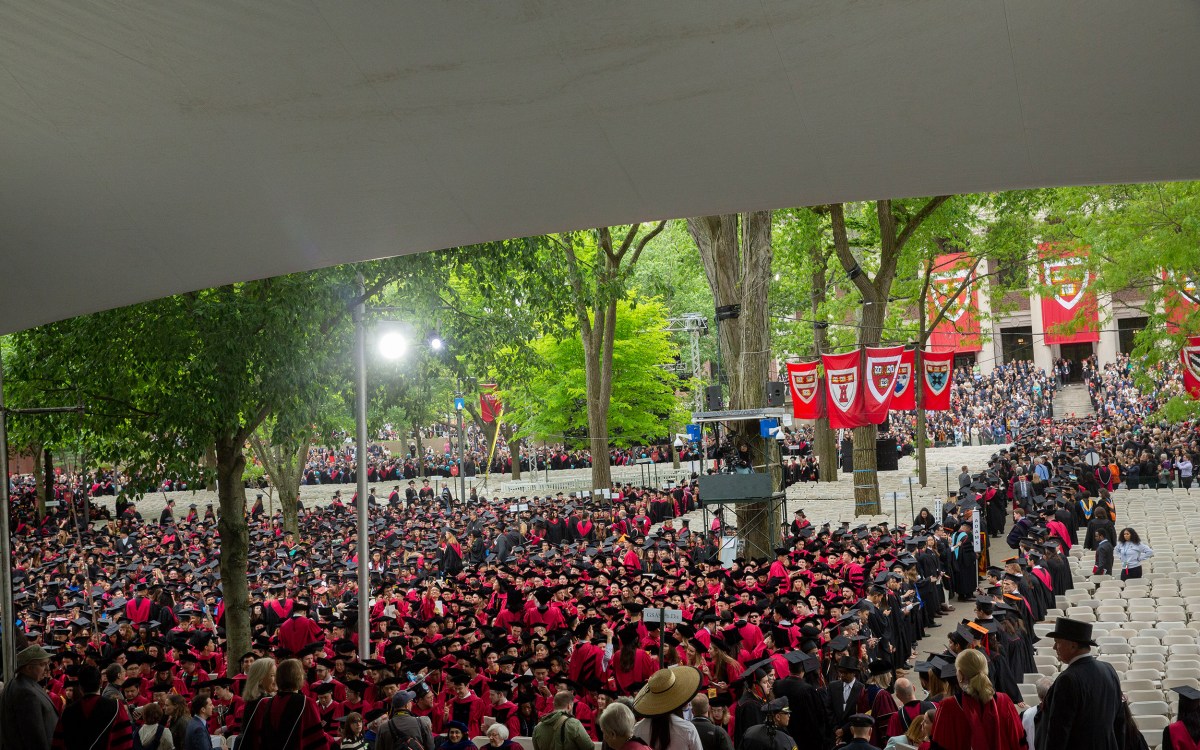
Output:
(555, 401)
(598, 266)
(172, 378)
(880, 232)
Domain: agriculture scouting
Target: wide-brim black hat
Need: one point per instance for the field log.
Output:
(1072, 630)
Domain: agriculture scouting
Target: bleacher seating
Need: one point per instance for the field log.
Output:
(1148, 629)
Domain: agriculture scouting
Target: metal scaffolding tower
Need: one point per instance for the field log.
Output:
(695, 325)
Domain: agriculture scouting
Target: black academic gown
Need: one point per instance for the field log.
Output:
(1060, 575)
(810, 724)
(1082, 709)
(749, 713)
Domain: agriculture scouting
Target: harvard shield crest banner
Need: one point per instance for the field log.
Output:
(843, 389)
(952, 286)
(1180, 290)
(489, 403)
(1070, 296)
(903, 398)
(806, 390)
(938, 371)
(1190, 356)
(880, 369)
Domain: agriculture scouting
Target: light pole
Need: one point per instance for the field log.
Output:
(459, 403)
(360, 448)
(9, 624)
(392, 345)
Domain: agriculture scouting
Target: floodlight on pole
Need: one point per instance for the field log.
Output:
(436, 344)
(392, 345)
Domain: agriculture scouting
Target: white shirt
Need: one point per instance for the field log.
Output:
(1027, 722)
(683, 734)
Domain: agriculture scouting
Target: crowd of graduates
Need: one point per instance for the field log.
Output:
(492, 617)
(493, 608)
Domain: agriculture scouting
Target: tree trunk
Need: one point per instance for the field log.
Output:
(826, 447)
(235, 542)
(739, 273)
(39, 479)
(289, 488)
(824, 437)
(285, 467)
(289, 505)
(420, 452)
(210, 461)
(597, 414)
(514, 450)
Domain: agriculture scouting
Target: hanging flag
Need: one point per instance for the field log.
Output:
(904, 397)
(489, 403)
(952, 287)
(1177, 299)
(806, 388)
(843, 394)
(1069, 299)
(938, 367)
(1190, 355)
(882, 365)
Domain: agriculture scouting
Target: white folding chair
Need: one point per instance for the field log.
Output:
(1148, 708)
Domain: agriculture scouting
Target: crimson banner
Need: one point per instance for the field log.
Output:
(806, 390)
(1069, 297)
(489, 403)
(843, 391)
(881, 367)
(1190, 356)
(938, 370)
(1177, 300)
(904, 398)
(958, 330)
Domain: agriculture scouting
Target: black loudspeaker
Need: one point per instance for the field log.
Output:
(886, 457)
(848, 456)
(712, 398)
(775, 393)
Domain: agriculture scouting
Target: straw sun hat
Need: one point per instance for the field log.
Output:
(667, 690)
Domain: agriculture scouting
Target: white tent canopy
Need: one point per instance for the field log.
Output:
(152, 148)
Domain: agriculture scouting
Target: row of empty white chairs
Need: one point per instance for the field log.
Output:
(1147, 628)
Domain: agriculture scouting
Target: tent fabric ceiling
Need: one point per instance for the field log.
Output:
(153, 148)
